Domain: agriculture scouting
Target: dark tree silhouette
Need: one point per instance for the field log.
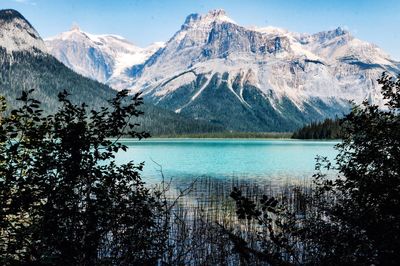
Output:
(353, 219)
(63, 199)
(327, 129)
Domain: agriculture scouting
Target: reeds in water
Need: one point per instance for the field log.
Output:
(195, 236)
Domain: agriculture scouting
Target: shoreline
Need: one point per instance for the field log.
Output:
(228, 135)
(172, 139)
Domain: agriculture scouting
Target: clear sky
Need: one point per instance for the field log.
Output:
(147, 21)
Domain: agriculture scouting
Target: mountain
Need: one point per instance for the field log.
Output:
(17, 34)
(255, 79)
(105, 58)
(25, 64)
(260, 79)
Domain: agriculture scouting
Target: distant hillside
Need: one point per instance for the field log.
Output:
(161, 122)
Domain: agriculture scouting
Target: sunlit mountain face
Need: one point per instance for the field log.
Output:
(247, 79)
(25, 64)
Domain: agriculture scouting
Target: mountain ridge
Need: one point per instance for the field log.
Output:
(257, 79)
(102, 57)
(18, 34)
(25, 64)
(307, 76)
(24, 67)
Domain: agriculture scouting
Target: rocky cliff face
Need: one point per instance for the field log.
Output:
(105, 58)
(258, 79)
(17, 34)
(273, 79)
(25, 64)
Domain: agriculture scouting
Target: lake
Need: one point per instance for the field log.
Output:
(270, 160)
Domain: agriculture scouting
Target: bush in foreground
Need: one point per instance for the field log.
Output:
(63, 199)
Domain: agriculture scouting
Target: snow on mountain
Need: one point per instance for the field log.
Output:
(325, 64)
(17, 34)
(25, 65)
(315, 74)
(244, 78)
(105, 58)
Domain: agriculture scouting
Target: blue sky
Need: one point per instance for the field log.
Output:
(147, 21)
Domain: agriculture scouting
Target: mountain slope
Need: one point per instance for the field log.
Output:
(17, 34)
(250, 79)
(260, 79)
(25, 64)
(105, 58)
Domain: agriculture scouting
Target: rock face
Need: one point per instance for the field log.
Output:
(25, 64)
(260, 79)
(17, 34)
(254, 79)
(105, 58)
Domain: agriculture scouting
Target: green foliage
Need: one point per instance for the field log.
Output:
(162, 122)
(353, 219)
(327, 129)
(369, 161)
(23, 70)
(64, 201)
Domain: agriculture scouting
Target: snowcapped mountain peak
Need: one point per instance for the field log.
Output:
(270, 30)
(102, 57)
(78, 35)
(325, 36)
(216, 70)
(209, 52)
(17, 34)
(75, 27)
(217, 15)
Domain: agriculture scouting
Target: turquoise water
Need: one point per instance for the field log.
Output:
(275, 160)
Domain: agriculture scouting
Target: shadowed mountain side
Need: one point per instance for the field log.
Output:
(24, 71)
(252, 112)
